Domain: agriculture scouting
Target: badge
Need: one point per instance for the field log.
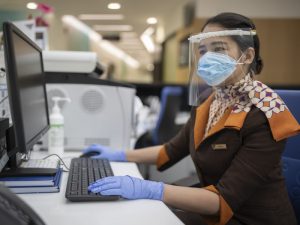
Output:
(219, 146)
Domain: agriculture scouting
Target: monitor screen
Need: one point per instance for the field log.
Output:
(26, 87)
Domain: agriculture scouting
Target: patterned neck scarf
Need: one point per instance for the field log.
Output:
(226, 97)
(242, 95)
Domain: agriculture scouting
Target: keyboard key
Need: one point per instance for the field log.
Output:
(83, 172)
(41, 163)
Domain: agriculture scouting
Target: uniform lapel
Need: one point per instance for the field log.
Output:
(281, 121)
(220, 124)
(201, 118)
(283, 125)
(228, 120)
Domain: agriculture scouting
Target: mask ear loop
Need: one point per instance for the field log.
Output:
(237, 61)
(241, 63)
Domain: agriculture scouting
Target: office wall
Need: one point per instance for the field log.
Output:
(6, 15)
(279, 50)
(170, 60)
(278, 24)
(77, 41)
(175, 19)
(253, 8)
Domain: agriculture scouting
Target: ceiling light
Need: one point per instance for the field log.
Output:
(101, 17)
(112, 27)
(97, 38)
(152, 20)
(147, 39)
(149, 31)
(119, 53)
(148, 42)
(114, 5)
(31, 5)
(78, 25)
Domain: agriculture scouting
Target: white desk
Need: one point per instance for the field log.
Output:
(55, 209)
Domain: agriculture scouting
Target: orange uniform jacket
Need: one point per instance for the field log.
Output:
(239, 159)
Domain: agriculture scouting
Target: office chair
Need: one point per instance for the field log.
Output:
(291, 99)
(14, 211)
(291, 154)
(165, 127)
(291, 172)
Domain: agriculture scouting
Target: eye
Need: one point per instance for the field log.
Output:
(202, 51)
(219, 49)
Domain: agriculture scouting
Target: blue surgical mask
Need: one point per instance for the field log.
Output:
(214, 68)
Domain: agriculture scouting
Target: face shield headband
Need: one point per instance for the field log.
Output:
(213, 58)
(222, 33)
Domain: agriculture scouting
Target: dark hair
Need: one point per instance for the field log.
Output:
(234, 20)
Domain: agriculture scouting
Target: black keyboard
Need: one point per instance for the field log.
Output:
(84, 171)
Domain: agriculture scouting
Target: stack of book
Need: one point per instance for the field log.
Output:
(33, 183)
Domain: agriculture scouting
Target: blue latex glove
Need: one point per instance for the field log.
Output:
(128, 187)
(106, 152)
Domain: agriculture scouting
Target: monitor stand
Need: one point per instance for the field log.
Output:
(12, 168)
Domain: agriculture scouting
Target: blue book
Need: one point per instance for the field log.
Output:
(30, 180)
(39, 189)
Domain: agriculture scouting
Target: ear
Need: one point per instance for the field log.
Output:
(249, 55)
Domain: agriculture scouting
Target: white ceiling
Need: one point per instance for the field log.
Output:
(135, 14)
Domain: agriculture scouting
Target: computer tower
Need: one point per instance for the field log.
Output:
(100, 112)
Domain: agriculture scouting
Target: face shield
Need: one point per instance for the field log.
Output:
(215, 56)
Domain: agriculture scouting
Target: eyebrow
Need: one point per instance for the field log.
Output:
(214, 43)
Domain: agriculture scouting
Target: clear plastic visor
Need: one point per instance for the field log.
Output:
(230, 43)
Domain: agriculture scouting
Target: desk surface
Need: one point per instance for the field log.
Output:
(55, 209)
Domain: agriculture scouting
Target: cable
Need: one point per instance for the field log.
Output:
(25, 157)
(2, 100)
(60, 159)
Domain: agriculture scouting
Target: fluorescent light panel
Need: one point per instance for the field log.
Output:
(101, 17)
(97, 38)
(152, 20)
(148, 42)
(147, 39)
(75, 23)
(114, 5)
(31, 5)
(149, 31)
(112, 27)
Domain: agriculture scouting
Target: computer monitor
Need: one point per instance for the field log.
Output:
(26, 87)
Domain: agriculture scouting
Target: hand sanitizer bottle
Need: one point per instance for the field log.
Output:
(56, 132)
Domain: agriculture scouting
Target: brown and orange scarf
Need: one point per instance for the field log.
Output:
(242, 95)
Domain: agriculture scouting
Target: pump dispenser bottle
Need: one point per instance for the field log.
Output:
(56, 132)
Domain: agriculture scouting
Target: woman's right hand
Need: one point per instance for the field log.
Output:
(106, 152)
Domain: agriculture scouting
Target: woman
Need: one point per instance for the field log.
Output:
(235, 137)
